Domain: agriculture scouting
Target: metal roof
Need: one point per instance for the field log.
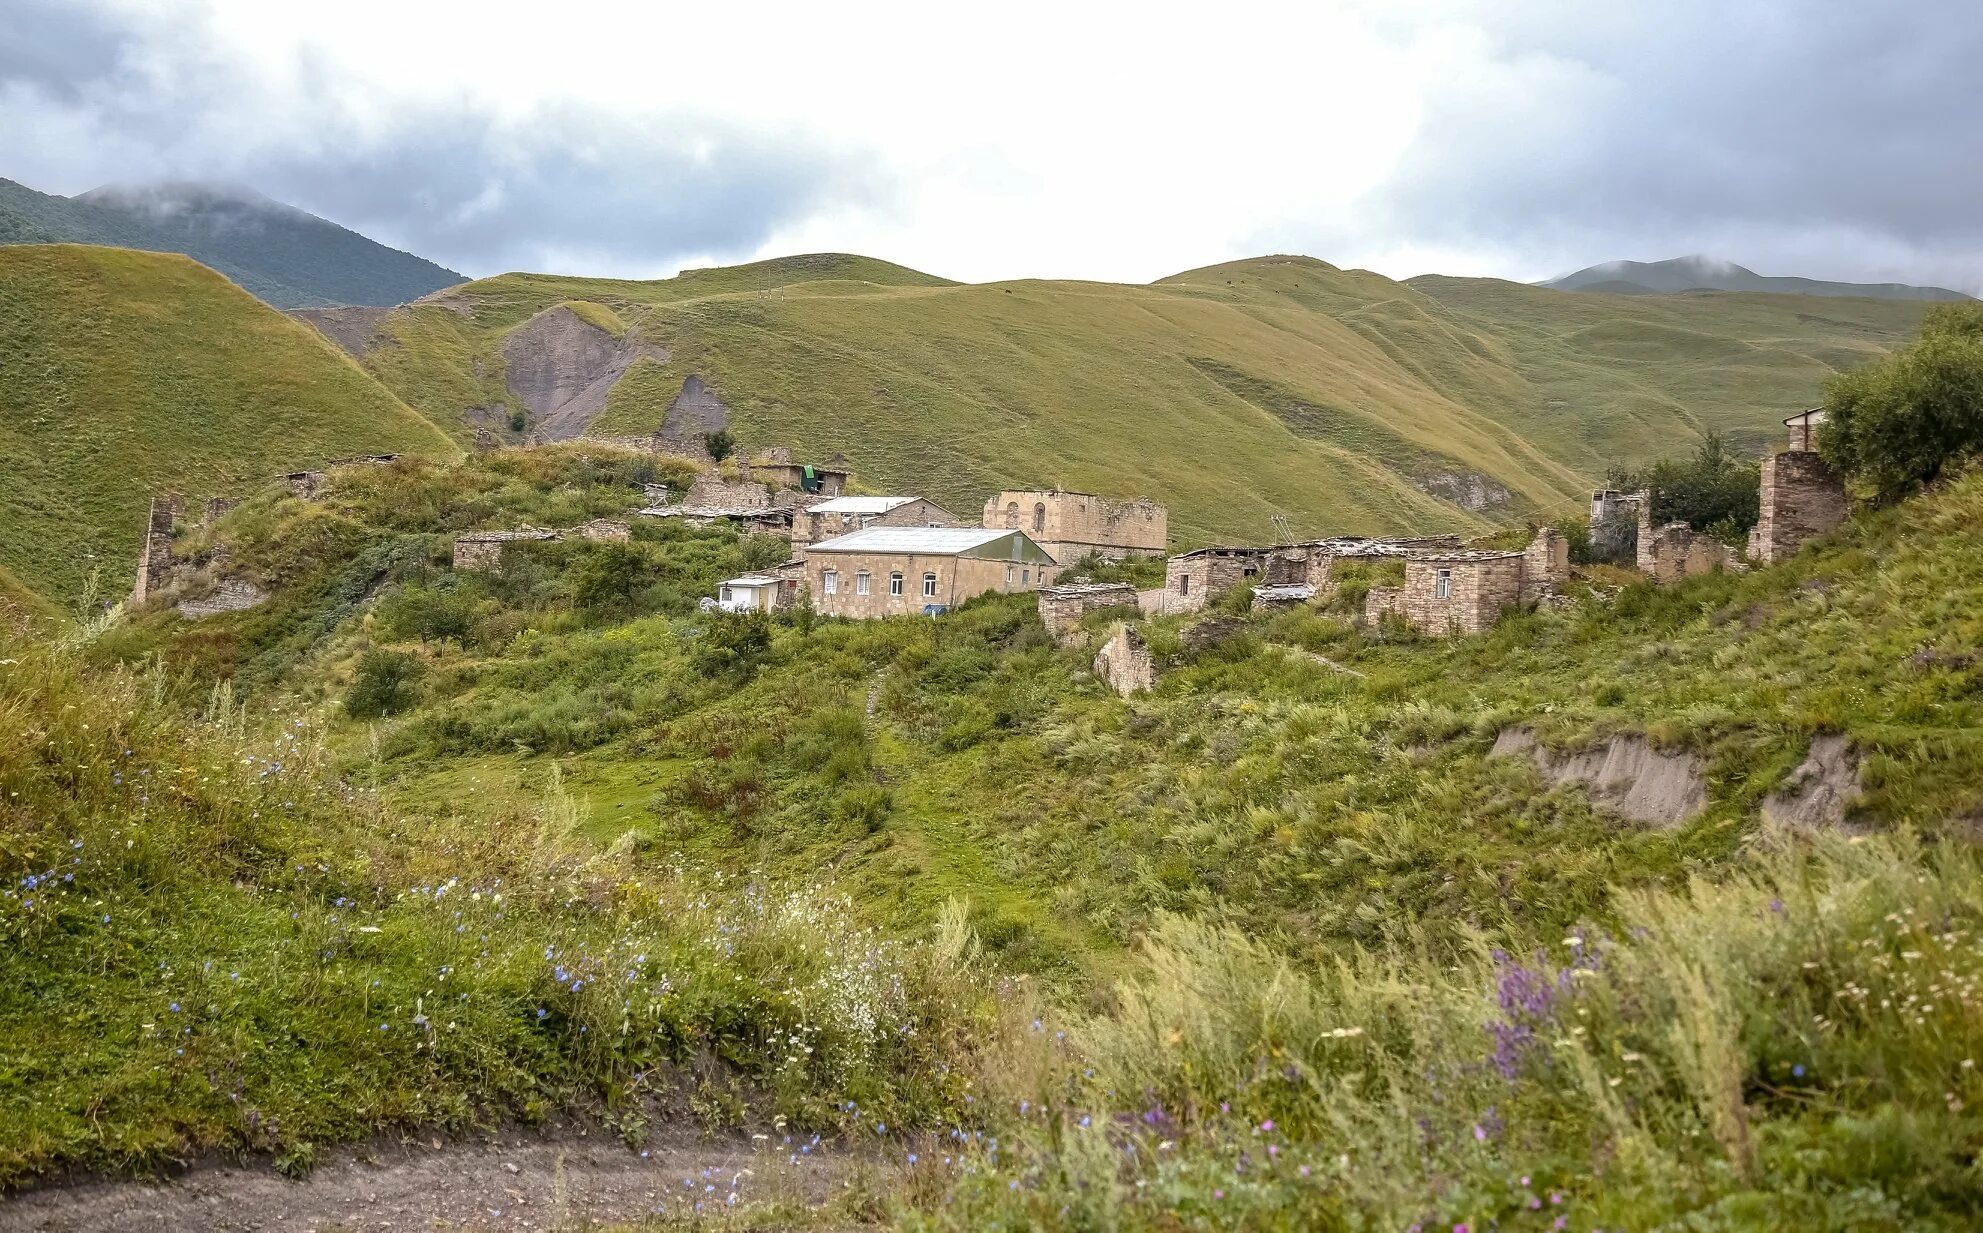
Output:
(859, 505)
(927, 541)
(750, 580)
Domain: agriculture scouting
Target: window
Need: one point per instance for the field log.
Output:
(861, 583)
(1039, 517)
(1009, 575)
(1025, 576)
(895, 583)
(929, 586)
(1012, 516)
(724, 595)
(1442, 584)
(1184, 584)
(829, 582)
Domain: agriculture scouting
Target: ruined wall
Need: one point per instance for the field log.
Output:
(1480, 589)
(1070, 525)
(714, 492)
(1191, 580)
(478, 554)
(1676, 551)
(1802, 499)
(1062, 607)
(1125, 662)
(1380, 602)
(155, 557)
(1545, 564)
(1614, 523)
(809, 527)
(606, 530)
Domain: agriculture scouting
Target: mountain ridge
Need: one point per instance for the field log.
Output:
(1699, 273)
(283, 255)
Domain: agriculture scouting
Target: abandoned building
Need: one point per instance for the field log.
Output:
(1463, 591)
(1063, 605)
(894, 571)
(776, 466)
(1071, 525)
(1191, 579)
(1802, 498)
(1313, 562)
(1126, 662)
(1614, 523)
(845, 515)
(1675, 551)
(477, 551)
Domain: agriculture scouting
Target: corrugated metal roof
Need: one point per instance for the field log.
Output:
(859, 505)
(931, 541)
(750, 580)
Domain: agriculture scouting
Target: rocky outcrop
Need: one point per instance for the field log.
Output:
(353, 329)
(562, 367)
(1466, 489)
(1625, 776)
(1821, 789)
(228, 595)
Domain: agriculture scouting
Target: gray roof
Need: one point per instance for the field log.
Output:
(859, 505)
(923, 541)
(750, 580)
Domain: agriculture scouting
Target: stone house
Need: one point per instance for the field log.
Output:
(777, 467)
(1313, 562)
(845, 515)
(1191, 579)
(1461, 591)
(1802, 498)
(897, 571)
(1677, 551)
(1071, 525)
(1615, 521)
(1063, 605)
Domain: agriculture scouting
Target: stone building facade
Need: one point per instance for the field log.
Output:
(845, 515)
(1802, 499)
(1313, 562)
(903, 571)
(482, 551)
(1545, 564)
(1063, 606)
(1191, 579)
(1675, 551)
(1455, 592)
(776, 466)
(1070, 525)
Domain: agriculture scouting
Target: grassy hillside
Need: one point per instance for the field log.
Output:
(276, 252)
(124, 373)
(1300, 950)
(1339, 399)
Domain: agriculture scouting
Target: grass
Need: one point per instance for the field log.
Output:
(1272, 387)
(136, 373)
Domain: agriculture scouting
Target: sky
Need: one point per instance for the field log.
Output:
(1517, 139)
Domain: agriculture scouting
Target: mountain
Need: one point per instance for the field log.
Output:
(277, 252)
(127, 373)
(1281, 386)
(1708, 274)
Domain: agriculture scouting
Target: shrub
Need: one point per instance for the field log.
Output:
(607, 578)
(733, 643)
(1713, 491)
(386, 684)
(720, 444)
(1898, 422)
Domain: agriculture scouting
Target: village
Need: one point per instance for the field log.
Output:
(861, 556)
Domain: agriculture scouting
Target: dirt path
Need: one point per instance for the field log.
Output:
(567, 1179)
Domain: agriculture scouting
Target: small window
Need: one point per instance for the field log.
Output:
(1025, 576)
(1010, 573)
(861, 583)
(1039, 517)
(895, 584)
(929, 586)
(829, 582)
(1184, 584)
(724, 595)
(1442, 585)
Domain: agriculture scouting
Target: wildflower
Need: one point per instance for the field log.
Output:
(1267, 1125)
(1798, 1070)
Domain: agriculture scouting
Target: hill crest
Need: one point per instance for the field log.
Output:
(1702, 273)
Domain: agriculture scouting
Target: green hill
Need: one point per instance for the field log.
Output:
(277, 252)
(1682, 274)
(1342, 400)
(125, 373)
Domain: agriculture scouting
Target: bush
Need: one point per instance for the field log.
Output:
(1898, 422)
(608, 578)
(430, 614)
(1714, 491)
(733, 643)
(387, 683)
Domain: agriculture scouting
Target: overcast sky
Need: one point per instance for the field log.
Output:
(1521, 138)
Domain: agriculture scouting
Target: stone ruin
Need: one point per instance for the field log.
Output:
(1464, 591)
(202, 582)
(1125, 661)
(482, 551)
(1615, 521)
(1063, 607)
(1802, 498)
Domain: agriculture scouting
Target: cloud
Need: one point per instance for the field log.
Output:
(1817, 137)
(562, 185)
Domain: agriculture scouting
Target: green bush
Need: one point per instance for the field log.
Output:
(387, 683)
(1712, 491)
(1900, 421)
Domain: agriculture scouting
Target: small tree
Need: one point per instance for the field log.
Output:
(1899, 421)
(720, 444)
(1714, 491)
(607, 578)
(387, 683)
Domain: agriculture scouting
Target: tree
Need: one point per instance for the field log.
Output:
(608, 578)
(1715, 491)
(719, 444)
(1900, 421)
(387, 683)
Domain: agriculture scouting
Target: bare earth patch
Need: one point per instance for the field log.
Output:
(569, 1177)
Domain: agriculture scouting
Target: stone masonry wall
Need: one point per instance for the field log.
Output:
(1480, 589)
(1545, 564)
(155, 557)
(713, 492)
(1190, 581)
(1675, 551)
(1072, 524)
(1125, 662)
(1802, 499)
(1062, 607)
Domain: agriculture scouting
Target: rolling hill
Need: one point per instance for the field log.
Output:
(285, 256)
(124, 373)
(1280, 386)
(1708, 274)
